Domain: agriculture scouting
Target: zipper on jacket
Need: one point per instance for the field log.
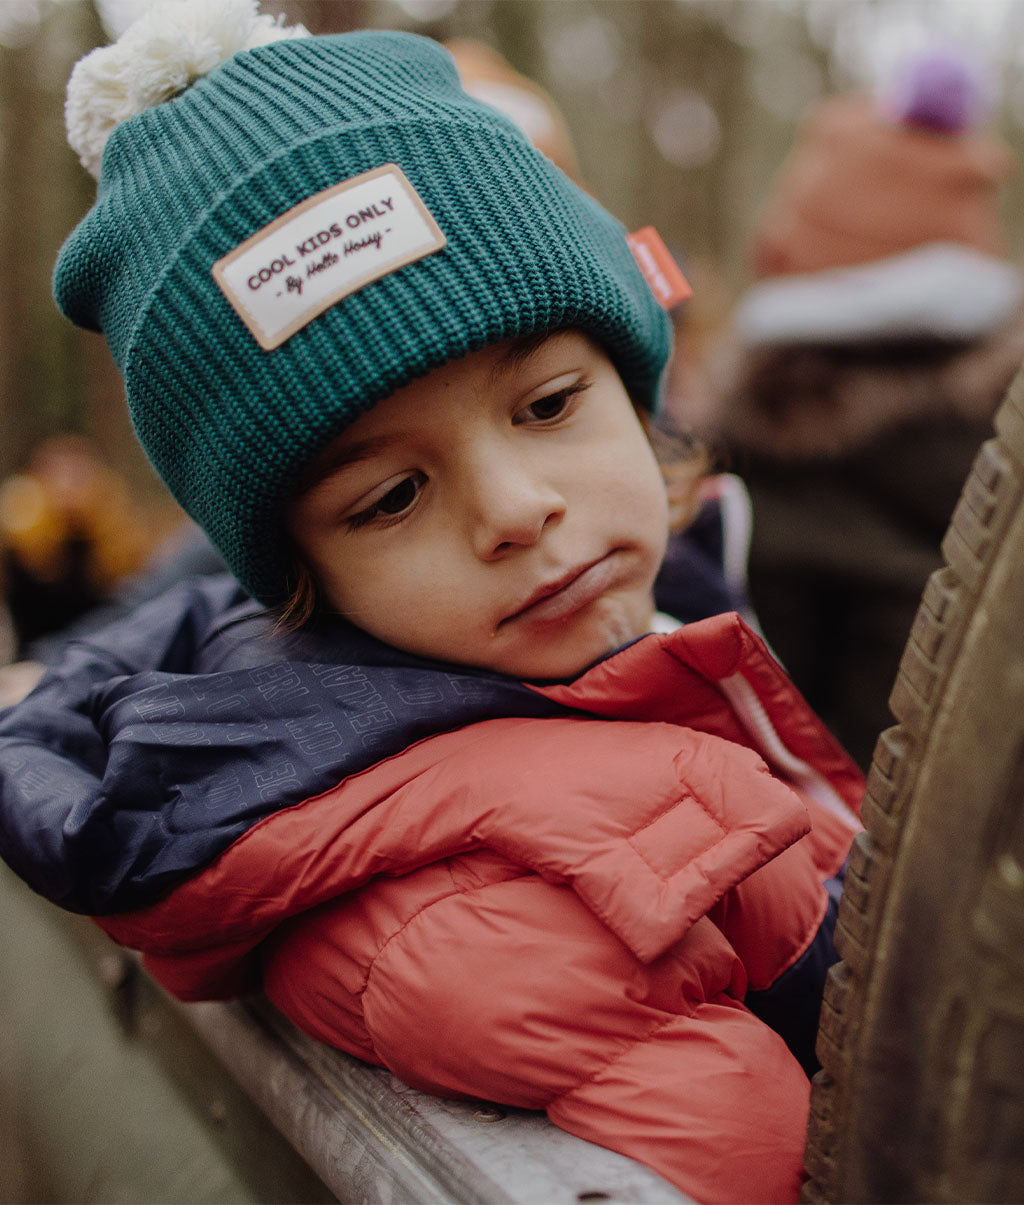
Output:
(754, 718)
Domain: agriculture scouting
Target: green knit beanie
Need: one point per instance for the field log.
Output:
(368, 221)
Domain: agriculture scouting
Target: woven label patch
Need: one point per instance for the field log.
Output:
(660, 270)
(325, 248)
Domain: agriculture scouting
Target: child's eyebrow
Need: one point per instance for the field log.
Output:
(517, 353)
(340, 458)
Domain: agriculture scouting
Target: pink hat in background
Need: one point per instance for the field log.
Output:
(868, 179)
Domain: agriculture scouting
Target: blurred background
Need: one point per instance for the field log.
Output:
(680, 112)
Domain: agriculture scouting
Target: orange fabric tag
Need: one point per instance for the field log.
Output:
(660, 270)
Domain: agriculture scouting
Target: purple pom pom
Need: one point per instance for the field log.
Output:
(941, 91)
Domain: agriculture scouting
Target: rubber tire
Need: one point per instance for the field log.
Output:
(921, 1096)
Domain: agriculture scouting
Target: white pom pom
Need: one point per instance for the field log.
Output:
(156, 58)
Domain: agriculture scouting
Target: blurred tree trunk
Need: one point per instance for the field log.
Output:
(21, 123)
(52, 376)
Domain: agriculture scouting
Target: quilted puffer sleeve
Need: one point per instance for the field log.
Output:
(651, 824)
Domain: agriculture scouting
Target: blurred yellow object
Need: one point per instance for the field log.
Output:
(31, 527)
(67, 497)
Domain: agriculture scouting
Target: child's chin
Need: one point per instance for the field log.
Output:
(564, 662)
(563, 650)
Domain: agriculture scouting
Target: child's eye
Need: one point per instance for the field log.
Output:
(392, 505)
(553, 406)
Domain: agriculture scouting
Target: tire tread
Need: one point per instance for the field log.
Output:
(990, 499)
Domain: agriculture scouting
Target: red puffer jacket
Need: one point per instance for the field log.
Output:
(562, 913)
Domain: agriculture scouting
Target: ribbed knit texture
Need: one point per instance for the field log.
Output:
(230, 426)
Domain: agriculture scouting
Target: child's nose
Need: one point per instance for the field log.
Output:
(513, 507)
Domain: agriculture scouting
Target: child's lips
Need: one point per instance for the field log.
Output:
(568, 594)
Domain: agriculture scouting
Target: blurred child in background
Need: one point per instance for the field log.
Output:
(864, 368)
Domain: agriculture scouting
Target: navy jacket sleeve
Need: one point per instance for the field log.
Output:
(53, 758)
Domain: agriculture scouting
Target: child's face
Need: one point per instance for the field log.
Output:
(505, 511)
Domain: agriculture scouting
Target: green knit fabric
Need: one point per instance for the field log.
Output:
(230, 426)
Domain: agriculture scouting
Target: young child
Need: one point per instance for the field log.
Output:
(469, 820)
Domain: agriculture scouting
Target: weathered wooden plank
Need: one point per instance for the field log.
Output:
(371, 1138)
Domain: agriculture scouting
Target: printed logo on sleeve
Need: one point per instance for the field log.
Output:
(325, 248)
